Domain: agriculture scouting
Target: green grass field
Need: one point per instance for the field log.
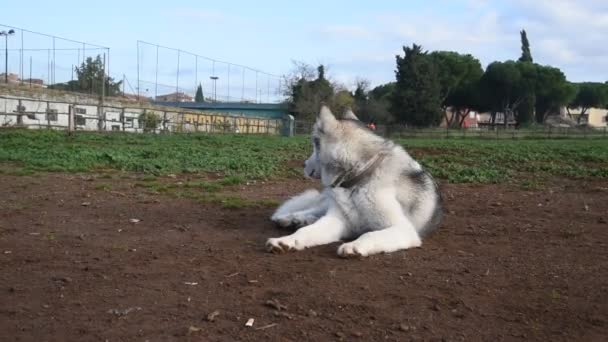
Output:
(241, 157)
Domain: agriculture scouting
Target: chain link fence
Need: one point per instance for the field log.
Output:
(486, 132)
(40, 60)
(169, 74)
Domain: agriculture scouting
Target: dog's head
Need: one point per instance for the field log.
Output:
(338, 145)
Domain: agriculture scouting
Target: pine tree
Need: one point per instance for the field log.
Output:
(416, 99)
(199, 98)
(526, 55)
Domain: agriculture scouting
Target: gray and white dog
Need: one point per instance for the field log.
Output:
(373, 192)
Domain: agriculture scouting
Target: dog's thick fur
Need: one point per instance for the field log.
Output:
(373, 192)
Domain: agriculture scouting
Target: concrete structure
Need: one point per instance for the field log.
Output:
(260, 110)
(175, 97)
(594, 117)
(49, 108)
(111, 116)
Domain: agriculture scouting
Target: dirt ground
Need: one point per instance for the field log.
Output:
(506, 265)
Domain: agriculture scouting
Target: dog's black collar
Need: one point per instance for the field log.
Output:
(345, 180)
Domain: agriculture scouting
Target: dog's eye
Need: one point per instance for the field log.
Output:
(317, 143)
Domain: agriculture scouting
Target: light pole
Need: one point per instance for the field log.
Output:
(214, 78)
(6, 34)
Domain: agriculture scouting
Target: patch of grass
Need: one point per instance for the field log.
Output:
(232, 180)
(490, 161)
(243, 157)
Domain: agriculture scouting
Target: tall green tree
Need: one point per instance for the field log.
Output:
(552, 91)
(91, 79)
(506, 85)
(526, 55)
(377, 107)
(416, 99)
(589, 95)
(306, 89)
(459, 77)
(199, 97)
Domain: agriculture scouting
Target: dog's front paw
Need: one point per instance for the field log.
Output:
(285, 221)
(293, 221)
(282, 245)
(352, 250)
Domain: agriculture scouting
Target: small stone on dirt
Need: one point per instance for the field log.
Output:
(283, 314)
(134, 220)
(85, 204)
(275, 305)
(193, 329)
(62, 279)
(211, 316)
(124, 312)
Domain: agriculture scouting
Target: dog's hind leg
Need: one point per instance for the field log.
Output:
(301, 210)
(329, 228)
(387, 240)
(401, 234)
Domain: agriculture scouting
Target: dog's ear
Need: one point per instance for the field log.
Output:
(326, 118)
(348, 114)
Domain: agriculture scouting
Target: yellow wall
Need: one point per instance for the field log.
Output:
(596, 116)
(208, 122)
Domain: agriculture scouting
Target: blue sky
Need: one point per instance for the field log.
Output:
(356, 39)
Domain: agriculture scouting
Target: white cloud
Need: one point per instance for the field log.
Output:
(563, 33)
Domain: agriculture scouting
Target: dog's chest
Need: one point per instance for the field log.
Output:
(359, 206)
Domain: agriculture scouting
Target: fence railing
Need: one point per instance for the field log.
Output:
(74, 116)
(488, 132)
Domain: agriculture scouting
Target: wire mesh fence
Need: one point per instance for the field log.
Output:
(41, 60)
(487, 132)
(169, 74)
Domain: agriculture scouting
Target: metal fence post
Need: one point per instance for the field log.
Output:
(70, 119)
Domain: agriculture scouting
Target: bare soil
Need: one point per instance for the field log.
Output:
(506, 265)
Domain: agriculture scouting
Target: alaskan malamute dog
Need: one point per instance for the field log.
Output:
(373, 192)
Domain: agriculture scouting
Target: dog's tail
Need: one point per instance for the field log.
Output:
(436, 217)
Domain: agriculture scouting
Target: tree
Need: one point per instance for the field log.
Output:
(506, 85)
(524, 114)
(459, 77)
(305, 92)
(149, 121)
(464, 99)
(373, 105)
(416, 99)
(361, 95)
(91, 78)
(552, 91)
(589, 95)
(526, 55)
(199, 98)
(341, 101)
